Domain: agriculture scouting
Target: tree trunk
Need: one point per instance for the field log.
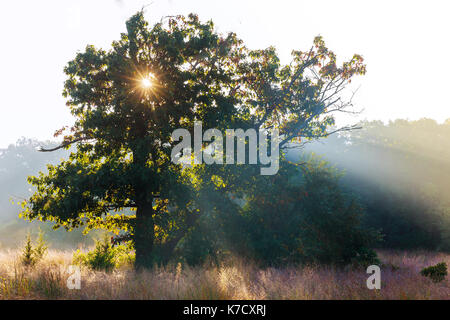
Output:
(144, 234)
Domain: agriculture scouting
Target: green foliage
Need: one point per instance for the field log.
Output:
(41, 246)
(202, 243)
(301, 215)
(365, 256)
(28, 258)
(123, 128)
(401, 179)
(105, 256)
(306, 217)
(436, 273)
(32, 255)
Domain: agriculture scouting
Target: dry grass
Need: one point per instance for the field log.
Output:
(236, 280)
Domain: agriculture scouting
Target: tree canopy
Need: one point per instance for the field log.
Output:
(128, 100)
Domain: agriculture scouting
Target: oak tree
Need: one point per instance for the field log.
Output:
(129, 99)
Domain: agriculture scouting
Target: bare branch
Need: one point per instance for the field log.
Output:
(63, 145)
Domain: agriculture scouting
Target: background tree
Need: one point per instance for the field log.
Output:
(127, 102)
(300, 215)
(400, 172)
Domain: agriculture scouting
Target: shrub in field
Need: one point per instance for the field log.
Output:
(32, 255)
(28, 258)
(105, 256)
(436, 273)
(41, 246)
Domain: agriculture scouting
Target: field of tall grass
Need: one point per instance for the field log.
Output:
(400, 279)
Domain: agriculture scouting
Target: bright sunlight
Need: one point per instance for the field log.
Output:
(146, 82)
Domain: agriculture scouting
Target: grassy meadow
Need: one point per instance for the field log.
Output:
(400, 279)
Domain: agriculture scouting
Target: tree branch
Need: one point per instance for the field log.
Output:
(63, 145)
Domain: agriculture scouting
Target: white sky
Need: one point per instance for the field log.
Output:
(405, 45)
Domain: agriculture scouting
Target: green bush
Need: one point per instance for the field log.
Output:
(436, 273)
(41, 247)
(28, 258)
(306, 217)
(200, 245)
(105, 256)
(32, 255)
(301, 215)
